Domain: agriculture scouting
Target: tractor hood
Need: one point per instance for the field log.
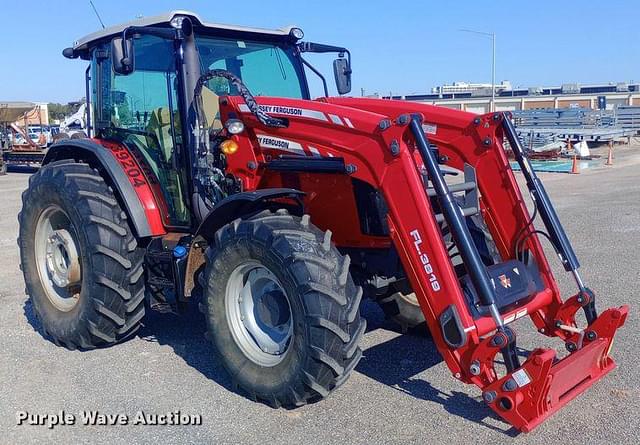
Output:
(392, 108)
(317, 126)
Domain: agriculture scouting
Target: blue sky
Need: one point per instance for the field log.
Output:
(402, 47)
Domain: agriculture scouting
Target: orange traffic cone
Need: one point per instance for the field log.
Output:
(575, 169)
(610, 157)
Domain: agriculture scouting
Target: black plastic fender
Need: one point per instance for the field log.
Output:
(246, 203)
(92, 152)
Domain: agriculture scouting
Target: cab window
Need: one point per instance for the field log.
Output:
(141, 111)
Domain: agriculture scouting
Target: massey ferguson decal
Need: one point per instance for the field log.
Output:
(505, 281)
(424, 259)
(288, 111)
(271, 142)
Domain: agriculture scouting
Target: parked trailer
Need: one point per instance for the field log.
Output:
(17, 148)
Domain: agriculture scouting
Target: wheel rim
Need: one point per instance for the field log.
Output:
(57, 258)
(259, 314)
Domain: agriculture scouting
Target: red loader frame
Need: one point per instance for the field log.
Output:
(383, 143)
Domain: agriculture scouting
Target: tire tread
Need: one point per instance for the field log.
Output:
(115, 289)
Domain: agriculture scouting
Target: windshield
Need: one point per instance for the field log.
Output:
(265, 68)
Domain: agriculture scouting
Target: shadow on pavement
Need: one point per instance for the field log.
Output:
(394, 363)
(397, 362)
(185, 334)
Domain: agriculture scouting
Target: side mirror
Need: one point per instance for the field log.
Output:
(122, 58)
(342, 73)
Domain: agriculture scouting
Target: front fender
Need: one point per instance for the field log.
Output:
(229, 209)
(246, 203)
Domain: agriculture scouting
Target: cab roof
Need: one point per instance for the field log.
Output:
(165, 19)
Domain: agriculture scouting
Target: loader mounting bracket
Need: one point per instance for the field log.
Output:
(526, 397)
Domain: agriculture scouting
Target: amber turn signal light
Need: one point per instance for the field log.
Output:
(229, 147)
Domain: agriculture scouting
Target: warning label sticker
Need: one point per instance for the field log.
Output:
(429, 128)
(521, 378)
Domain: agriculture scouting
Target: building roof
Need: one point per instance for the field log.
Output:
(166, 18)
(11, 111)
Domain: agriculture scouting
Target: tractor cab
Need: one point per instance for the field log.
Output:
(141, 81)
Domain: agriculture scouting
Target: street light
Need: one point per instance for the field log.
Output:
(492, 35)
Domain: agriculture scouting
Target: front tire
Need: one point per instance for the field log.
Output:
(298, 340)
(81, 263)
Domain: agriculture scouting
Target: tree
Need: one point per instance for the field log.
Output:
(60, 111)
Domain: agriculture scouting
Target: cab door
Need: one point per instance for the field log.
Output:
(140, 110)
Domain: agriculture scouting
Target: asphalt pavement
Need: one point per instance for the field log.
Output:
(401, 392)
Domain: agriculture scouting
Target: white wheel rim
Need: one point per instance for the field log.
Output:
(57, 258)
(259, 314)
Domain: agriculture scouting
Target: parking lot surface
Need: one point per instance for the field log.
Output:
(401, 392)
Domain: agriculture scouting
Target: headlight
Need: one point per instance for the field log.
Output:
(296, 33)
(234, 126)
(176, 22)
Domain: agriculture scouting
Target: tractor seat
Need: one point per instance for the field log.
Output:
(160, 125)
(211, 105)
(160, 121)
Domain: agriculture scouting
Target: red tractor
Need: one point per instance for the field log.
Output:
(210, 175)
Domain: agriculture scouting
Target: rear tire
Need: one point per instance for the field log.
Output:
(401, 306)
(60, 137)
(312, 279)
(400, 303)
(106, 303)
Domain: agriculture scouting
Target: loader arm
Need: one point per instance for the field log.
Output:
(387, 145)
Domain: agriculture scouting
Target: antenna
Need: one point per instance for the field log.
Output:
(97, 15)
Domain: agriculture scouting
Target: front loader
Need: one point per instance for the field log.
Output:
(210, 176)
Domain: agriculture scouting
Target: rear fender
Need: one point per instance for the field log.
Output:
(125, 175)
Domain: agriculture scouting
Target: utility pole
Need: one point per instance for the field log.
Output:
(493, 72)
(491, 35)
